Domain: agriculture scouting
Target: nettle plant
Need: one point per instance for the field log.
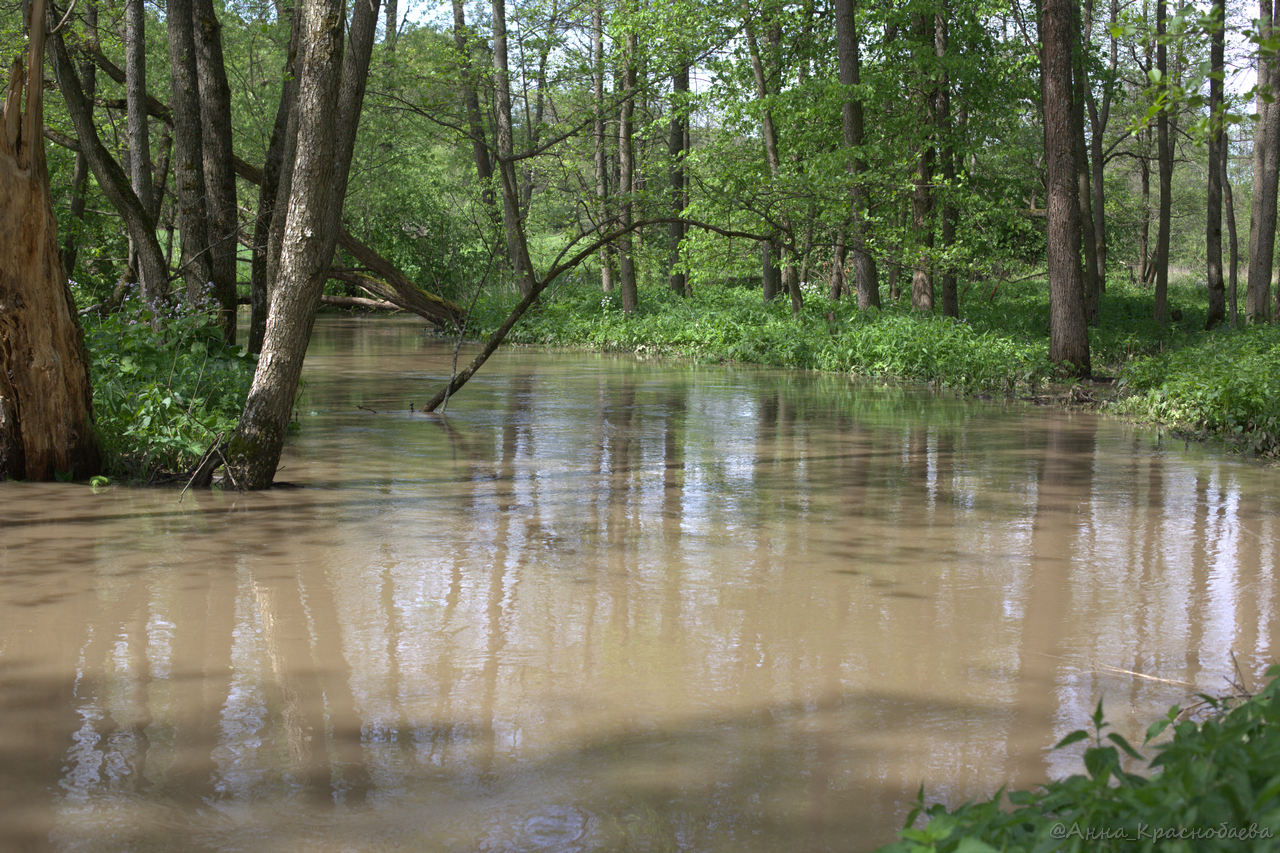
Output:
(165, 385)
(1214, 785)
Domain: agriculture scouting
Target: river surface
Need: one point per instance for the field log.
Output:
(610, 604)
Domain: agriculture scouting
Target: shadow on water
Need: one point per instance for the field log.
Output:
(717, 782)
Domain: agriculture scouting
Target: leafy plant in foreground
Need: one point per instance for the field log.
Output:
(1214, 786)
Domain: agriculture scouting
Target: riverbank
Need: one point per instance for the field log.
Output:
(1209, 385)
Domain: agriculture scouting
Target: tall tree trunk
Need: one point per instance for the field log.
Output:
(135, 69)
(852, 126)
(1084, 193)
(1068, 331)
(1164, 151)
(600, 150)
(46, 411)
(947, 152)
(1233, 268)
(677, 148)
(534, 114)
(922, 192)
(626, 176)
(1213, 224)
(516, 250)
(1099, 118)
(1145, 267)
(1266, 166)
(219, 173)
(471, 101)
(772, 252)
(330, 93)
(80, 171)
(392, 29)
(188, 150)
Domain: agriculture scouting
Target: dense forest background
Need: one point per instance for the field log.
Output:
(734, 113)
(919, 154)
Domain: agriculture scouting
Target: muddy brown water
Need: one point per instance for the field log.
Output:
(609, 604)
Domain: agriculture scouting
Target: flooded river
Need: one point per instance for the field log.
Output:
(608, 604)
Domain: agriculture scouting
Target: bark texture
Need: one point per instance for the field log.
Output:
(328, 97)
(853, 128)
(1068, 332)
(46, 411)
(1266, 168)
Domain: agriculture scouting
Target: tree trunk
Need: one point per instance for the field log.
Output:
(677, 148)
(135, 68)
(599, 147)
(471, 102)
(852, 125)
(46, 411)
(1266, 166)
(626, 176)
(1234, 263)
(80, 171)
(516, 251)
(392, 30)
(773, 253)
(1164, 151)
(1099, 118)
(1213, 224)
(1068, 332)
(1084, 193)
(1145, 267)
(770, 268)
(327, 98)
(922, 192)
(188, 151)
(219, 174)
(950, 213)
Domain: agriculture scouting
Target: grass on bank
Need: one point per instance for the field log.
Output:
(1214, 384)
(1215, 785)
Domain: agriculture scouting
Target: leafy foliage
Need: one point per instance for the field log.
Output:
(162, 395)
(1214, 786)
(1223, 384)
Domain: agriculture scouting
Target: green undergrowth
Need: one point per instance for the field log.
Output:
(1215, 785)
(1214, 384)
(161, 396)
(732, 324)
(1221, 384)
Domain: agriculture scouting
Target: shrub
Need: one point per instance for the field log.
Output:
(164, 387)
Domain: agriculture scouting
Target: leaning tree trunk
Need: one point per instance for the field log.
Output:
(330, 93)
(46, 409)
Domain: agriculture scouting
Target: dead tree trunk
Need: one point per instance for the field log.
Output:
(46, 409)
